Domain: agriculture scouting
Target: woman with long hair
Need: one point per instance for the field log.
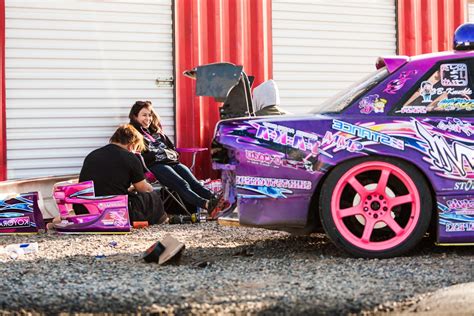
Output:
(162, 159)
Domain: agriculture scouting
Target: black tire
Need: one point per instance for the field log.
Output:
(418, 227)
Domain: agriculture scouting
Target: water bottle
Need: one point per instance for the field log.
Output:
(15, 250)
(195, 218)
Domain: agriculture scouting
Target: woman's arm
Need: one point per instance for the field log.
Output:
(168, 142)
(149, 157)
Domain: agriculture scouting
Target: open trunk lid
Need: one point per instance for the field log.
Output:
(226, 83)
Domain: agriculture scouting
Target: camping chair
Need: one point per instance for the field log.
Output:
(106, 214)
(168, 196)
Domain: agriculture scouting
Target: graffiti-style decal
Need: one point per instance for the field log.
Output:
(368, 134)
(285, 136)
(264, 192)
(10, 214)
(453, 219)
(447, 157)
(19, 213)
(116, 218)
(456, 125)
(274, 182)
(393, 86)
(341, 142)
(372, 103)
(26, 207)
(86, 191)
(456, 104)
(464, 204)
(454, 75)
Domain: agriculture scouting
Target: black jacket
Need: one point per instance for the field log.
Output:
(158, 148)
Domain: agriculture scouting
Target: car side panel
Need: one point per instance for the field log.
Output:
(279, 162)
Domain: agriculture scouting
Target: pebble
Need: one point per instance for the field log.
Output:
(223, 270)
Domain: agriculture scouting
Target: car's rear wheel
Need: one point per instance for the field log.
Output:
(375, 207)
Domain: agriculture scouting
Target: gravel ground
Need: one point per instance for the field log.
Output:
(223, 270)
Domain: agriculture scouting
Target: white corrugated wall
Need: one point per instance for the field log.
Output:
(321, 47)
(471, 11)
(73, 69)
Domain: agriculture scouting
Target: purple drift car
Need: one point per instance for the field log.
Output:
(377, 165)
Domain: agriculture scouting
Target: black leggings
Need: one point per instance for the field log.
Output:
(179, 178)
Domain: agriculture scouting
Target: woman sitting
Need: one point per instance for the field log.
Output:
(162, 159)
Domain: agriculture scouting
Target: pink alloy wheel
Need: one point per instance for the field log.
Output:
(376, 205)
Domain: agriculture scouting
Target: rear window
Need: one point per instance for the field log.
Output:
(344, 98)
(446, 89)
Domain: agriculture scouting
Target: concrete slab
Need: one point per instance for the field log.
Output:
(42, 185)
(454, 300)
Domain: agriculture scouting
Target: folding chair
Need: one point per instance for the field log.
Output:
(168, 196)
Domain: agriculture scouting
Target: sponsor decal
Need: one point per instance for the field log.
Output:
(263, 158)
(368, 134)
(464, 185)
(105, 205)
(266, 159)
(393, 86)
(456, 125)
(454, 75)
(427, 91)
(414, 109)
(452, 91)
(456, 156)
(274, 182)
(372, 103)
(459, 227)
(17, 222)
